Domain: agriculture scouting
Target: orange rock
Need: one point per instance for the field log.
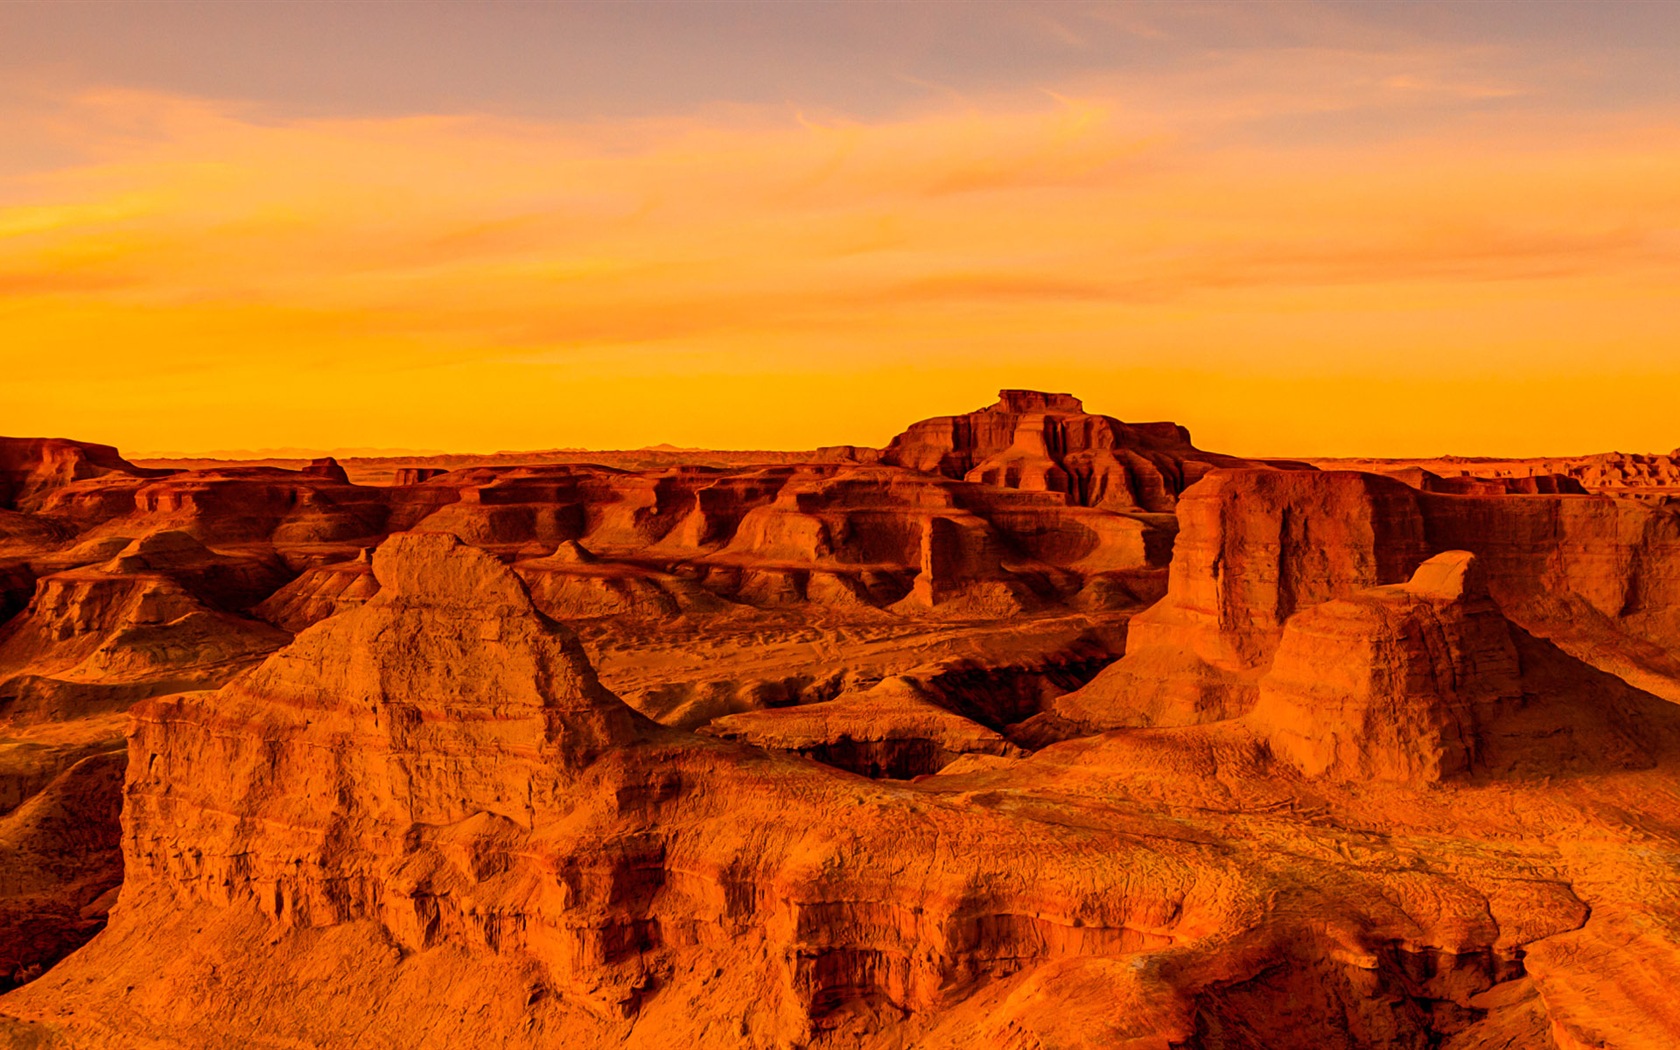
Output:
(1393, 683)
(432, 791)
(59, 852)
(416, 475)
(320, 592)
(97, 639)
(1254, 546)
(895, 729)
(31, 469)
(1049, 443)
(1387, 766)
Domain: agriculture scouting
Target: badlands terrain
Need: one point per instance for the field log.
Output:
(1033, 729)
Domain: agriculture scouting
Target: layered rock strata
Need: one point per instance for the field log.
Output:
(1393, 683)
(1049, 443)
(1593, 575)
(897, 729)
(427, 810)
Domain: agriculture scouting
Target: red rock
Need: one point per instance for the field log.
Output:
(434, 784)
(1393, 683)
(59, 852)
(32, 468)
(1355, 799)
(327, 467)
(318, 593)
(416, 475)
(574, 584)
(1047, 442)
(895, 729)
(1592, 574)
(1253, 548)
(97, 639)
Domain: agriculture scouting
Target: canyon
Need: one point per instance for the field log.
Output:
(1031, 729)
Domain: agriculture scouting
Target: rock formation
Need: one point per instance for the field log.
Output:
(1395, 682)
(98, 638)
(327, 467)
(834, 751)
(416, 475)
(1253, 547)
(895, 729)
(1593, 575)
(1652, 476)
(31, 469)
(320, 592)
(59, 853)
(431, 791)
(1049, 443)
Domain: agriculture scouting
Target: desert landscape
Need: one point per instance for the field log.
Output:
(839, 525)
(1034, 728)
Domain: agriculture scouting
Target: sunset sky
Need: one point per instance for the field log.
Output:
(1384, 229)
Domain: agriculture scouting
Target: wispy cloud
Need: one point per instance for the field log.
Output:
(1111, 224)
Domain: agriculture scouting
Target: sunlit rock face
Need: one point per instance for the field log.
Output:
(1396, 682)
(1049, 443)
(926, 748)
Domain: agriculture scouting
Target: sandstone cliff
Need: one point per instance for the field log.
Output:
(1387, 765)
(1049, 443)
(1592, 575)
(1393, 683)
(424, 822)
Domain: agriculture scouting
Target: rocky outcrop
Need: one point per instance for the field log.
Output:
(1597, 576)
(99, 638)
(1639, 475)
(326, 467)
(320, 592)
(416, 475)
(291, 510)
(441, 761)
(1394, 756)
(31, 469)
(1253, 548)
(896, 729)
(889, 536)
(995, 673)
(119, 583)
(1393, 683)
(432, 791)
(1049, 443)
(1467, 484)
(574, 584)
(61, 866)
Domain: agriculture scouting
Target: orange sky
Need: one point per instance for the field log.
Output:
(1394, 248)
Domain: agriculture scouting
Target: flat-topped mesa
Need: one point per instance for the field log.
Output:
(1393, 683)
(31, 468)
(327, 467)
(1039, 401)
(1048, 442)
(415, 475)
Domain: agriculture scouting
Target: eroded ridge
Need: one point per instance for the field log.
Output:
(835, 752)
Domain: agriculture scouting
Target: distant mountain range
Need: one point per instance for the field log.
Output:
(289, 452)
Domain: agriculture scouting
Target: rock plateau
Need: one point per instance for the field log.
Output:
(1034, 729)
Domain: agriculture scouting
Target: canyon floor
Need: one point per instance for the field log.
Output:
(1034, 729)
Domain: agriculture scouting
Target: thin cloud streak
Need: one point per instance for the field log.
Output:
(1101, 230)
